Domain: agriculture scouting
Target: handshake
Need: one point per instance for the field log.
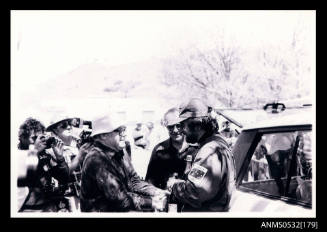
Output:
(160, 200)
(171, 181)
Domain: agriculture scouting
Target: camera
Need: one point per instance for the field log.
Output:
(78, 122)
(84, 138)
(85, 135)
(50, 141)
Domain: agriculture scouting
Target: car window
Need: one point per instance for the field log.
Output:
(281, 165)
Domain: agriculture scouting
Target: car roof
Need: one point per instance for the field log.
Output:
(290, 117)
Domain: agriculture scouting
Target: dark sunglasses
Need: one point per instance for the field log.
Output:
(64, 124)
(121, 130)
(171, 127)
(190, 123)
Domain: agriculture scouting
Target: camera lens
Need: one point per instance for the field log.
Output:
(49, 142)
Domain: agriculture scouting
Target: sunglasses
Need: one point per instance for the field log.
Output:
(121, 131)
(64, 124)
(190, 123)
(171, 127)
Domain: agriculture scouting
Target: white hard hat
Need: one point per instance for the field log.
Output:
(106, 124)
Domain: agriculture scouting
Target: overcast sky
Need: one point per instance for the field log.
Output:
(46, 44)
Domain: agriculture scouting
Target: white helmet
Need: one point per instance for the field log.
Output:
(106, 124)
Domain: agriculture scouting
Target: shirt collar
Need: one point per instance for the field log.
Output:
(185, 146)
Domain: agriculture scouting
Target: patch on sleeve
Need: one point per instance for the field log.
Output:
(197, 173)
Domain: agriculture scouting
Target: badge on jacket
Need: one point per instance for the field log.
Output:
(197, 173)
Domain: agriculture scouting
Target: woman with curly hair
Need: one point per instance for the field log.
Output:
(50, 167)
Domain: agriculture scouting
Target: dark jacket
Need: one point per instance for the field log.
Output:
(110, 183)
(211, 180)
(165, 161)
(43, 194)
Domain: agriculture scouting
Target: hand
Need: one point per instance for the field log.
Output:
(40, 143)
(159, 202)
(57, 148)
(171, 181)
(83, 151)
(162, 192)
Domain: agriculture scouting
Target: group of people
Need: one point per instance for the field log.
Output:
(49, 162)
(193, 169)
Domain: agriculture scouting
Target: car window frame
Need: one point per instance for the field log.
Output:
(256, 138)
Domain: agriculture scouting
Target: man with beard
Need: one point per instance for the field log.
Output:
(169, 157)
(210, 182)
(109, 181)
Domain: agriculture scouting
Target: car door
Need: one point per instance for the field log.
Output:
(273, 170)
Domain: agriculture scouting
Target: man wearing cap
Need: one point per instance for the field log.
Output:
(170, 156)
(109, 181)
(210, 182)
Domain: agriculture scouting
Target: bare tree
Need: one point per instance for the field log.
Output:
(215, 74)
(286, 68)
(230, 76)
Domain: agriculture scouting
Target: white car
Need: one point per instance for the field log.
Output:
(273, 162)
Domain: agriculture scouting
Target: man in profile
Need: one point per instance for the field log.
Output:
(109, 181)
(209, 185)
(139, 136)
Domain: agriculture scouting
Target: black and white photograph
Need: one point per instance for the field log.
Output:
(163, 113)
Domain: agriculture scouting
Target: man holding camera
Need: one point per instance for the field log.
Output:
(209, 184)
(49, 170)
(109, 181)
(62, 129)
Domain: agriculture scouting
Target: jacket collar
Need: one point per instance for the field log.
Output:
(168, 145)
(107, 150)
(210, 137)
(203, 140)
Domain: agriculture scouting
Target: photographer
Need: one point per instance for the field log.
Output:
(62, 129)
(41, 177)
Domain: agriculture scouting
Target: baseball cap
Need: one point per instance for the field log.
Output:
(193, 109)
